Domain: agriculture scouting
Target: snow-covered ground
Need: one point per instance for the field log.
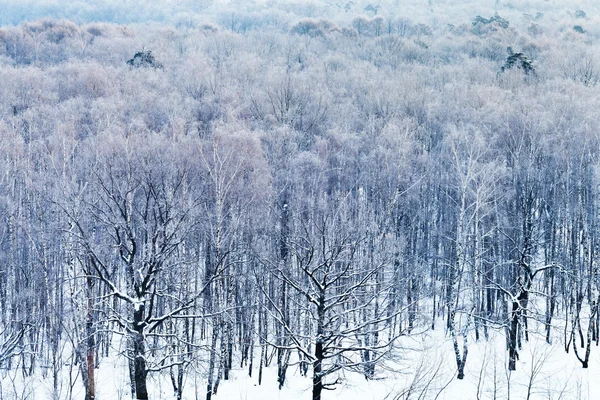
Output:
(424, 368)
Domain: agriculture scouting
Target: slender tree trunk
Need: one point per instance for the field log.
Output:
(211, 361)
(586, 358)
(90, 389)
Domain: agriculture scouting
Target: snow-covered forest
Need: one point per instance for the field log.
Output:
(299, 200)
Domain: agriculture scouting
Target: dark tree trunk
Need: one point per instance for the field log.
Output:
(513, 354)
(319, 356)
(90, 389)
(588, 345)
(317, 372)
(139, 351)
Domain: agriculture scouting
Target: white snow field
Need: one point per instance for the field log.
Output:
(424, 368)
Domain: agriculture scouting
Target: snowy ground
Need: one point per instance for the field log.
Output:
(425, 369)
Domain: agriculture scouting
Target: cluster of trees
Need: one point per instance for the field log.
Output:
(297, 198)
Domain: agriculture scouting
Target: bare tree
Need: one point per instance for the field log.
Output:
(340, 297)
(137, 216)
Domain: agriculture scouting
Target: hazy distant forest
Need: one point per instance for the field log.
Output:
(293, 186)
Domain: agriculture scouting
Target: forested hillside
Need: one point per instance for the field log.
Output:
(283, 193)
